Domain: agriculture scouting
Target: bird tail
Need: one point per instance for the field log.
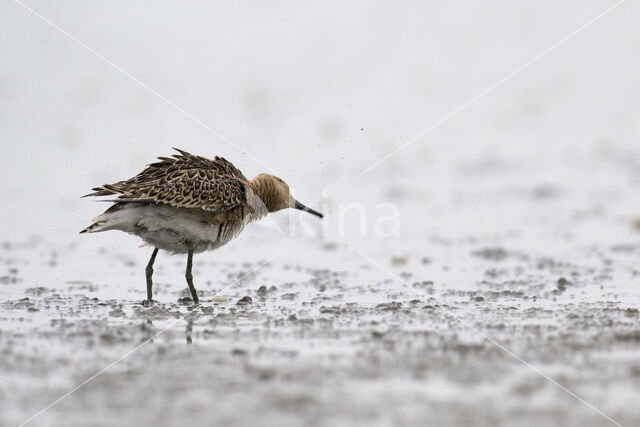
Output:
(95, 227)
(102, 222)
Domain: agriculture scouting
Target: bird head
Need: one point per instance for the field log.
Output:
(276, 196)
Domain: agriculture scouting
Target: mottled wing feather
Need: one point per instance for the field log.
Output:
(185, 181)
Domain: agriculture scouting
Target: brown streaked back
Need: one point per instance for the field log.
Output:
(184, 180)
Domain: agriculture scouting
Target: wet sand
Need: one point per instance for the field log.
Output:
(321, 346)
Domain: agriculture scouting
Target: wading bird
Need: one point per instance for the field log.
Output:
(188, 204)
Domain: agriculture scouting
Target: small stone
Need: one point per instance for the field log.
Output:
(562, 284)
(244, 300)
(399, 260)
(631, 312)
(219, 298)
(389, 306)
(424, 285)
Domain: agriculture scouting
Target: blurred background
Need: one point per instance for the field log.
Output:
(319, 94)
(544, 161)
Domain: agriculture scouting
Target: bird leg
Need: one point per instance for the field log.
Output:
(149, 271)
(189, 277)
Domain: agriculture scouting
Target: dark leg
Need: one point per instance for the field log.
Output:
(189, 277)
(149, 271)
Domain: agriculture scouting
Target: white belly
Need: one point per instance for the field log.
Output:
(175, 230)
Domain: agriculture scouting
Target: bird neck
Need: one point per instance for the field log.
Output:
(266, 190)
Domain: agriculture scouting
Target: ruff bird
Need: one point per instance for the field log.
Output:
(188, 204)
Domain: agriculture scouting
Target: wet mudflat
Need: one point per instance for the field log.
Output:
(321, 345)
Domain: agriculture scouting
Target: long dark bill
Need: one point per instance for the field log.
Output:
(302, 207)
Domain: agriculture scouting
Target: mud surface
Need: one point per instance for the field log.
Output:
(321, 346)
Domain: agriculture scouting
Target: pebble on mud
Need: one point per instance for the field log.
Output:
(245, 300)
(562, 284)
(263, 291)
(389, 306)
(37, 291)
(398, 260)
(219, 298)
(8, 280)
(494, 254)
(631, 312)
(425, 284)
